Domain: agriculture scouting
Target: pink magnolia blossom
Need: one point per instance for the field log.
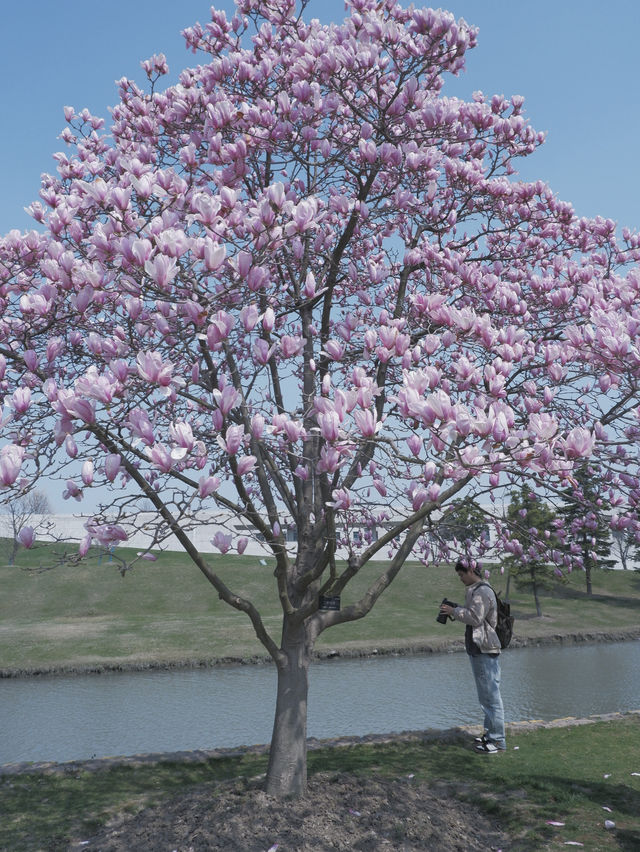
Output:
(182, 434)
(70, 446)
(309, 288)
(84, 546)
(162, 270)
(290, 346)
(31, 359)
(415, 444)
(433, 492)
(330, 460)
(222, 541)
(141, 250)
(472, 458)
(112, 465)
(366, 423)
(262, 352)
(95, 386)
(27, 537)
(227, 399)
(241, 546)
(208, 485)
(87, 472)
(341, 499)
(380, 487)
(21, 400)
(11, 457)
(329, 423)
(429, 471)
(219, 329)
(152, 368)
(233, 440)
(214, 255)
(160, 457)
(543, 426)
(257, 425)
(268, 320)
(246, 464)
(249, 317)
(418, 498)
(303, 217)
(75, 407)
(294, 430)
(335, 349)
(147, 555)
(72, 490)
(579, 443)
(140, 425)
(35, 303)
(106, 535)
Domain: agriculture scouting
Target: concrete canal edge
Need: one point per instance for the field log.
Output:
(203, 755)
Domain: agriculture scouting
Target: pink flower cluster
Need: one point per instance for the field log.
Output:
(304, 284)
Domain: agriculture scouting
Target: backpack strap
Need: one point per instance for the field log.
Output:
(495, 594)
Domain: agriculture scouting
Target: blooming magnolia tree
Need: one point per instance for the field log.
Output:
(303, 286)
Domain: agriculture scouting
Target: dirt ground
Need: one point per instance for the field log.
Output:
(340, 812)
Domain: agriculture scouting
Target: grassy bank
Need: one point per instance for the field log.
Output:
(578, 776)
(166, 611)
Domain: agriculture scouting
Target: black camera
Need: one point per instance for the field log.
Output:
(441, 617)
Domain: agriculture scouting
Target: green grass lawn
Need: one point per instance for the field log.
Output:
(564, 775)
(166, 611)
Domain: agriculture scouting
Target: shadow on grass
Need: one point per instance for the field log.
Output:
(628, 841)
(520, 789)
(581, 595)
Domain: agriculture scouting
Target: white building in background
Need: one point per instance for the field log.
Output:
(71, 528)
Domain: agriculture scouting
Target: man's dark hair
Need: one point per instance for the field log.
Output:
(470, 565)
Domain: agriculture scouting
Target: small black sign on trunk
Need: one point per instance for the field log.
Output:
(329, 602)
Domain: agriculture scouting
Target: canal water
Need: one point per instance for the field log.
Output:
(61, 718)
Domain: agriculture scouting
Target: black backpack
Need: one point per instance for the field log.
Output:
(504, 625)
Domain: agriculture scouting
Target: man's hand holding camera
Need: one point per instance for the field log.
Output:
(446, 609)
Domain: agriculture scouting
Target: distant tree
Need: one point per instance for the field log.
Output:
(26, 516)
(625, 546)
(465, 524)
(532, 534)
(586, 518)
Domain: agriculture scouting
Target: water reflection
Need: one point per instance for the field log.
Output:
(67, 718)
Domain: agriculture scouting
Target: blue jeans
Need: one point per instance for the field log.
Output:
(486, 671)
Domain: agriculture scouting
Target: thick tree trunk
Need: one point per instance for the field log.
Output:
(287, 771)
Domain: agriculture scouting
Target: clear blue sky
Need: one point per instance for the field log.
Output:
(576, 62)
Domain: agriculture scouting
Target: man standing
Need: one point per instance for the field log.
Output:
(480, 614)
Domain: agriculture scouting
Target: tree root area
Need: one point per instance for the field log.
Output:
(339, 812)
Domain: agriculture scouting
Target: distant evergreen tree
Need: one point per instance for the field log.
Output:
(464, 522)
(585, 514)
(531, 523)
